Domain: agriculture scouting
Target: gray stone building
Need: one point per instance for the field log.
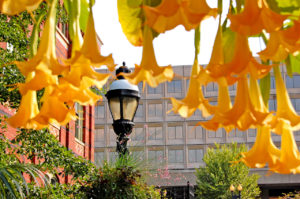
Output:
(168, 140)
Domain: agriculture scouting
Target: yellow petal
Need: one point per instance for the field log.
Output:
(242, 115)
(255, 17)
(194, 99)
(27, 110)
(149, 71)
(90, 49)
(171, 13)
(13, 7)
(53, 110)
(289, 158)
(45, 59)
(68, 93)
(263, 151)
(285, 109)
(274, 50)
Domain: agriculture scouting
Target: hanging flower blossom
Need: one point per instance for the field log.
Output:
(255, 17)
(243, 62)
(149, 71)
(194, 99)
(83, 61)
(285, 109)
(263, 151)
(242, 115)
(171, 13)
(13, 7)
(28, 109)
(53, 110)
(281, 43)
(289, 157)
(44, 64)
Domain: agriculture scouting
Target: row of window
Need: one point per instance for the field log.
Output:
(157, 156)
(173, 133)
(156, 109)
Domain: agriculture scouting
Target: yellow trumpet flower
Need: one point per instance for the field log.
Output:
(89, 51)
(171, 13)
(285, 109)
(242, 115)
(149, 71)
(53, 110)
(44, 64)
(263, 151)
(281, 43)
(69, 93)
(243, 62)
(13, 7)
(194, 99)
(289, 157)
(28, 109)
(255, 17)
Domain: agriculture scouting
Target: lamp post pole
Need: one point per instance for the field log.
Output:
(123, 99)
(233, 195)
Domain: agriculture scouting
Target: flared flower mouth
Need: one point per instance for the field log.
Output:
(13, 7)
(148, 71)
(171, 13)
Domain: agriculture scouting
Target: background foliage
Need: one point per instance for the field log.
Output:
(221, 170)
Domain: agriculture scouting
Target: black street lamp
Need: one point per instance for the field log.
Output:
(123, 99)
(234, 196)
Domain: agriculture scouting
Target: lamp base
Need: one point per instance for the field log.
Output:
(123, 129)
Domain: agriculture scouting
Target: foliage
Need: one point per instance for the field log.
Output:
(222, 170)
(51, 154)
(295, 195)
(121, 179)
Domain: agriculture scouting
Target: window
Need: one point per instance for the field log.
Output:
(99, 112)
(170, 107)
(272, 105)
(137, 134)
(155, 133)
(175, 132)
(79, 122)
(174, 86)
(215, 134)
(140, 111)
(155, 110)
(293, 82)
(175, 156)
(138, 155)
(112, 135)
(251, 132)
(297, 105)
(157, 90)
(156, 156)
(194, 132)
(140, 85)
(195, 155)
(113, 156)
(212, 87)
(272, 82)
(99, 135)
(236, 133)
(99, 158)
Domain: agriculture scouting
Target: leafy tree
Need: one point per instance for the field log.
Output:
(222, 169)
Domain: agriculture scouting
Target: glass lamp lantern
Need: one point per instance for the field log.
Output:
(123, 99)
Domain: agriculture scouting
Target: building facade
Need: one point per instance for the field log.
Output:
(78, 135)
(167, 140)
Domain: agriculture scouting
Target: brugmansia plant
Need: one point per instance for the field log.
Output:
(68, 81)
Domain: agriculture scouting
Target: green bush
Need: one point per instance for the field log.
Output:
(119, 180)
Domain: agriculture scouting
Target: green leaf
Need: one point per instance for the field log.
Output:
(265, 86)
(131, 21)
(228, 42)
(291, 7)
(295, 63)
(84, 14)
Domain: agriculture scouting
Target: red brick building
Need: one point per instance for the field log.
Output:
(77, 136)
